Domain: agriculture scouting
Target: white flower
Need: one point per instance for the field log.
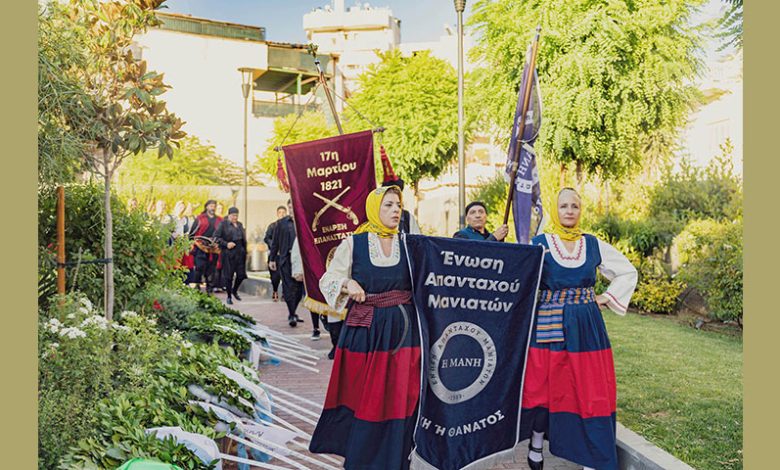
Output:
(86, 303)
(70, 316)
(53, 325)
(72, 333)
(84, 310)
(54, 345)
(128, 314)
(96, 320)
(186, 344)
(151, 321)
(119, 327)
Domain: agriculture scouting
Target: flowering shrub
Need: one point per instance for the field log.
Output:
(711, 257)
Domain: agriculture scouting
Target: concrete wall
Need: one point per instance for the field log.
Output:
(206, 87)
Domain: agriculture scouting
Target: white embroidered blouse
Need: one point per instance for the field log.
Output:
(340, 268)
(614, 266)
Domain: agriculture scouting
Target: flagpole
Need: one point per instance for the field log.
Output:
(524, 109)
(312, 48)
(460, 5)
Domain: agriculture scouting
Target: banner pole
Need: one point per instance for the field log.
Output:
(526, 100)
(312, 48)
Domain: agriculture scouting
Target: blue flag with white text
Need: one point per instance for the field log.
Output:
(475, 302)
(527, 198)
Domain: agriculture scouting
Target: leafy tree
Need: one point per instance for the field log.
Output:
(291, 129)
(614, 75)
(416, 100)
(730, 26)
(192, 164)
(60, 146)
(119, 113)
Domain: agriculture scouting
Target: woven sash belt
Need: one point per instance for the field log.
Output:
(361, 314)
(549, 319)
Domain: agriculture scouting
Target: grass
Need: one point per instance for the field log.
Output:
(680, 388)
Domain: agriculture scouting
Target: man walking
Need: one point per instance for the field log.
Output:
(281, 211)
(232, 239)
(280, 259)
(205, 252)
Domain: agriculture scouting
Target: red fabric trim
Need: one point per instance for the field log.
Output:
(569, 258)
(203, 223)
(376, 386)
(361, 314)
(582, 383)
(623, 307)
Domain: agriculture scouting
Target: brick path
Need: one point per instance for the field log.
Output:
(313, 386)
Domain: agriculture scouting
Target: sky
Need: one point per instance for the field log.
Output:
(421, 20)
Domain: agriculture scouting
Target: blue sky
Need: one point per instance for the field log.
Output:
(421, 20)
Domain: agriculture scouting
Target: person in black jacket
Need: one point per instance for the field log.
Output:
(280, 259)
(232, 239)
(281, 211)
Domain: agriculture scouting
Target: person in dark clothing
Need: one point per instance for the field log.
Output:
(281, 211)
(476, 218)
(232, 240)
(280, 259)
(206, 254)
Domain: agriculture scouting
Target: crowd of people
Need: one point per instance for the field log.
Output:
(369, 277)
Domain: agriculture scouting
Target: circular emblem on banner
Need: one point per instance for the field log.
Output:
(437, 359)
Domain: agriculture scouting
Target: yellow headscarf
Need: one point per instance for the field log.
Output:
(373, 204)
(570, 234)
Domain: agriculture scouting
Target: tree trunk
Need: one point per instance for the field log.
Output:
(580, 178)
(562, 176)
(108, 247)
(416, 200)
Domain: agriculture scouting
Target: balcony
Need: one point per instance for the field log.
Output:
(271, 109)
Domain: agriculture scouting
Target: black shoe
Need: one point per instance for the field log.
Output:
(291, 320)
(235, 296)
(229, 301)
(298, 319)
(332, 354)
(315, 335)
(531, 464)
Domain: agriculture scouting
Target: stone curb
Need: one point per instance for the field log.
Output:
(637, 453)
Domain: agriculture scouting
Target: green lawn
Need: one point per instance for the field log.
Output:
(680, 388)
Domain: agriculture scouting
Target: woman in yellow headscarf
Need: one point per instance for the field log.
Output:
(371, 405)
(569, 393)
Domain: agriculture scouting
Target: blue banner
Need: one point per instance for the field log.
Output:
(521, 155)
(475, 302)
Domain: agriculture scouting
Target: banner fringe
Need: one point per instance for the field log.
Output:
(322, 308)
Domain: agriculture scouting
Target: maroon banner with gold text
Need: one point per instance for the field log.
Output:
(329, 181)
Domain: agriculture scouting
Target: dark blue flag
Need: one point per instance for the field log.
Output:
(521, 154)
(475, 302)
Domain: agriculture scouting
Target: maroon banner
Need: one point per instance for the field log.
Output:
(329, 181)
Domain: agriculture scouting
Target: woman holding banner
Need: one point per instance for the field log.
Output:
(569, 392)
(371, 404)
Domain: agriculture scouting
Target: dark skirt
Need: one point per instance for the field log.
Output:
(569, 391)
(371, 405)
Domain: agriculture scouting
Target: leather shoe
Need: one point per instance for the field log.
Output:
(235, 296)
(531, 464)
(229, 301)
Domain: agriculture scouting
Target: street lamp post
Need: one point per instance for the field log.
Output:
(460, 5)
(246, 88)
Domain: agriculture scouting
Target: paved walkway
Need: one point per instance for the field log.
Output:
(313, 386)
